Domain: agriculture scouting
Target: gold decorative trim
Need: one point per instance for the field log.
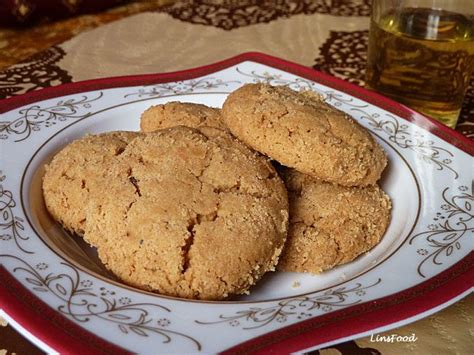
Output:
(34, 118)
(78, 300)
(181, 87)
(299, 307)
(449, 226)
(11, 226)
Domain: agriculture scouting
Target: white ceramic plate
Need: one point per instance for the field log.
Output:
(56, 289)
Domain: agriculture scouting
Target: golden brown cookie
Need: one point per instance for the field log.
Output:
(180, 114)
(75, 172)
(190, 213)
(330, 224)
(300, 130)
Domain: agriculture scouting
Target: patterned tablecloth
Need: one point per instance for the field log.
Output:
(330, 36)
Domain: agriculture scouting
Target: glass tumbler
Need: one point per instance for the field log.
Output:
(421, 53)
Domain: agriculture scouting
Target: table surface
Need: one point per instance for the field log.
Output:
(330, 38)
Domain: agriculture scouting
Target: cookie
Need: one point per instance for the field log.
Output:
(180, 114)
(330, 224)
(74, 174)
(190, 213)
(301, 131)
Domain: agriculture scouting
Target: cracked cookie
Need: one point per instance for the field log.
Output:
(189, 213)
(175, 113)
(330, 224)
(301, 131)
(74, 174)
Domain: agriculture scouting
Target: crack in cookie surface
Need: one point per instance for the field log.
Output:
(75, 172)
(201, 202)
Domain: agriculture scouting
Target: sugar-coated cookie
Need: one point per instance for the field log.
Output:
(76, 172)
(190, 213)
(180, 114)
(301, 131)
(330, 224)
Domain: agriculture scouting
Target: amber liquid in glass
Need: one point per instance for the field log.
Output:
(422, 58)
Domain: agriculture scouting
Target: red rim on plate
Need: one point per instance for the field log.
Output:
(63, 335)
